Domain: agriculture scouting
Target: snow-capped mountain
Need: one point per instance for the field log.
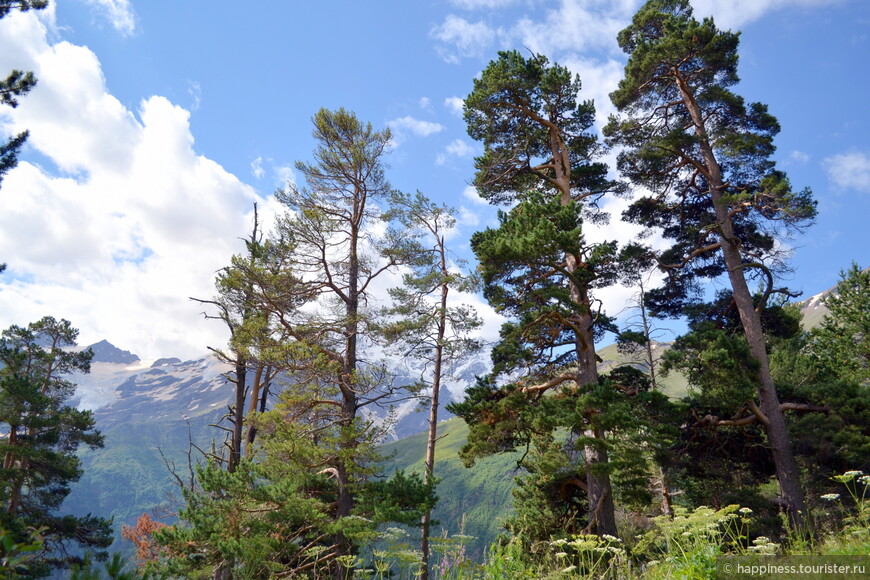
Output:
(151, 412)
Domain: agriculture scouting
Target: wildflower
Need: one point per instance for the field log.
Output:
(848, 476)
(569, 569)
(745, 510)
(831, 496)
(561, 554)
(610, 538)
(865, 479)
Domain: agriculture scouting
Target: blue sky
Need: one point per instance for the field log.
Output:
(156, 124)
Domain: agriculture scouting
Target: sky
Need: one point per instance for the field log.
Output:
(157, 124)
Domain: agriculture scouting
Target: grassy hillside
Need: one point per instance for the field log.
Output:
(481, 496)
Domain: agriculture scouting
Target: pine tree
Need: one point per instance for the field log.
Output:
(423, 324)
(536, 266)
(841, 343)
(704, 153)
(251, 337)
(315, 288)
(41, 438)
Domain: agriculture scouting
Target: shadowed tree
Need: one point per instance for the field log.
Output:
(40, 438)
(705, 156)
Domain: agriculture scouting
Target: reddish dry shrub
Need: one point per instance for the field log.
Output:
(140, 534)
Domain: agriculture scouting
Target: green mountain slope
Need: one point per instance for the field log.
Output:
(481, 496)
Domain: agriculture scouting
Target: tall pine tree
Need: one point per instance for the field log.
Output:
(423, 323)
(705, 156)
(537, 268)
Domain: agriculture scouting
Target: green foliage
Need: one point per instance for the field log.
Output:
(677, 109)
(43, 436)
(259, 523)
(514, 108)
(686, 545)
(276, 515)
(841, 344)
(854, 512)
(17, 550)
(115, 569)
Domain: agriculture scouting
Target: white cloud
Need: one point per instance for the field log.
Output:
(136, 222)
(734, 14)
(598, 79)
(454, 105)
(426, 103)
(460, 38)
(460, 148)
(470, 193)
(118, 12)
(257, 168)
(575, 25)
(195, 92)
(799, 156)
(456, 148)
(467, 217)
(284, 176)
(405, 126)
(849, 170)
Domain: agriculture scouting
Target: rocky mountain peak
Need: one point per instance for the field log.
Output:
(106, 352)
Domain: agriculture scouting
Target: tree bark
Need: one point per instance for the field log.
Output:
(429, 472)
(238, 415)
(787, 473)
(602, 513)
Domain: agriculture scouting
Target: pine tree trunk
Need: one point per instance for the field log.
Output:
(429, 472)
(787, 472)
(238, 416)
(602, 512)
(602, 516)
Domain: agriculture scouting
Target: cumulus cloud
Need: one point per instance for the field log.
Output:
(404, 127)
(459, 38)
(470, 193)
(598, 79)
(575, 25)
(119, 13)
(799, 156)
(849, 170)
(456, 148)
(454, 105)
(125, 222)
